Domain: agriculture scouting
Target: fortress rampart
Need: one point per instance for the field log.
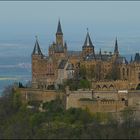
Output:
(29, 94)
(94, 101)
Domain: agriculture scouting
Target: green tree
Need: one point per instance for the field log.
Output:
(83, 72)
(84, 84)
(91, 73)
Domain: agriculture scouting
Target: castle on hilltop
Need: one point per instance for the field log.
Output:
(107, 71)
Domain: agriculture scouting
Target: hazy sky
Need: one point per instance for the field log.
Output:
(21, 21)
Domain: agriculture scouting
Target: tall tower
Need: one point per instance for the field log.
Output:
(88, 47)
(131, 60)
(59, 34)
(36, 56)
(116, 50)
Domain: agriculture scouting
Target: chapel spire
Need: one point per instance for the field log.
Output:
(88, 47)
(59, 29)
(59, 34)
(116, 50)
(131, 60)
(88, 42)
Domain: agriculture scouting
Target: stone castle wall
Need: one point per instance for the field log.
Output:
(102, 106)
(29, 94)
(75, 99)
(97, 101)
(103, 101)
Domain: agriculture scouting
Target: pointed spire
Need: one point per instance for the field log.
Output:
(116, 50)
(131, 60)
(59, 29)
(65, 45)
(88, 41)
(100, 54)
(37, 50)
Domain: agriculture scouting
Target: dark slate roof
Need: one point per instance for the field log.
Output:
(137, 58)
(106, 57)
(37, 49)
(103, 57)
(59, 29)
(131, 60)
(121, 60)
(62, 64)
(77, 53)
(88, 42)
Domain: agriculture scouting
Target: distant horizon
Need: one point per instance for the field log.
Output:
(105, 20)
(21, 21)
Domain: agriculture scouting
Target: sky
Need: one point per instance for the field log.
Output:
(20, 21)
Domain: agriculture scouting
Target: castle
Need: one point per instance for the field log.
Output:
(107, 71)
(115, 82)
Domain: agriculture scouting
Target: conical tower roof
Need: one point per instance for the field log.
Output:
(59, 29)
(37, 50)
(88, 42)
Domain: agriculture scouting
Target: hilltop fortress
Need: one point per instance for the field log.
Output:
(60, 65)
(109, 73)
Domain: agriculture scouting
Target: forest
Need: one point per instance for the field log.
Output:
(20, 120)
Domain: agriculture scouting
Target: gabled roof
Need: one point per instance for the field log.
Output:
(121, 60)
(37, 50)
